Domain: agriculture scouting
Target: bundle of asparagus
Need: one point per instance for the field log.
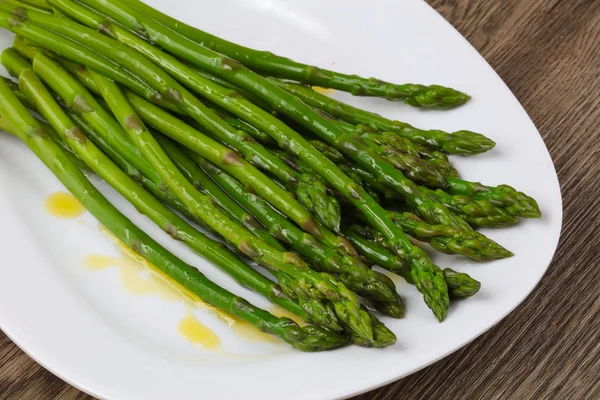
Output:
(234, 139)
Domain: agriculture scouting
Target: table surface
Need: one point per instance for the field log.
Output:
(548, 53)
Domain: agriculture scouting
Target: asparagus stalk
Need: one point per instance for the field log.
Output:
(268, 63)
(8, 129)
(460, 284)
(166, 86)
(27, 6)
(318, 285)
(515, 203)
(228, 69)
(350, 270)
(345, 303)
(165, 123)
(307, 245)
(439, 160)
(29, 49)
(42, 101)
(206, 186)
(132, 171)
(428, 276)
(35, 137)
(313, 310)
(402, 156)
(14, 63)
(478, 213)
(436, 158)
(445, 239)
(308, 189)
(281, 101)
(459, 142)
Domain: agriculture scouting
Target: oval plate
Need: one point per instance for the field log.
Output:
(84, 327)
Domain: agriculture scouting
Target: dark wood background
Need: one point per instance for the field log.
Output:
(548, 52)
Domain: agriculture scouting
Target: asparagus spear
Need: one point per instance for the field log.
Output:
(308, 189)
(477, 212)
(313, 310)
(8, 129)
(346, 304)
(167, 86)
(428, 276)
(515, 203)
(281, 101)
(402, 157)
(161, 121)
(228, 69)
(318, 285)
(460, 284)
(459, 142)
(350, 270)
(240, 125)
(148, 205)
(206, 186)
(131, 170)
(32, 133)
(436, 158)
(439, 160)
(27, 6)
(271, 64)
(443, 238)
(307, 245)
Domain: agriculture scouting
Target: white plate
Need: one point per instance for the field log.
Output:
(83, 325)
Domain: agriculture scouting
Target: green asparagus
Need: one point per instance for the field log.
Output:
(460, 142)
(268, 63)
(350, 270)
(477, 212)
(402, 158)
(428, 275)
(34, 136)
(307, 188)
(460, 285)
(344, 301)
(313, 309)
(146, 204)
(253, 83)
(445, 239)
(515, 203)
(263, 163)
(279, 99)
(165, 84)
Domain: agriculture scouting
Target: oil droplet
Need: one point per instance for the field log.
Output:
(134, 278)
(279, 311)
(63, 205)
(162, 285)
(140, 277)
(197, 333)
(244, 330)
(324, 91)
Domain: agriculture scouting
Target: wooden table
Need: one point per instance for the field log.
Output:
(548, 52)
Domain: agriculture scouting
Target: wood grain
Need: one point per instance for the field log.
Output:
(548, 52)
